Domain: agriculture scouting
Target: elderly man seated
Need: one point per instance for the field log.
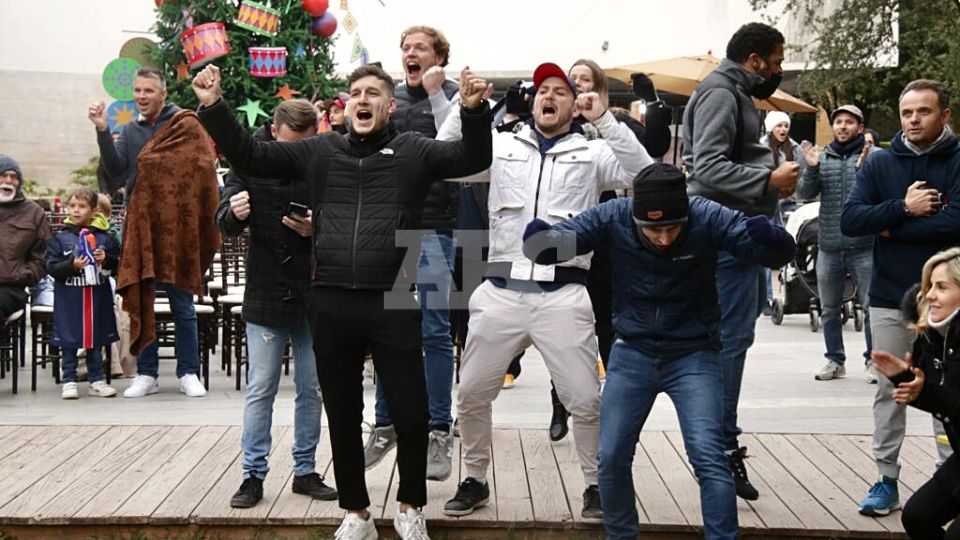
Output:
(24, 229)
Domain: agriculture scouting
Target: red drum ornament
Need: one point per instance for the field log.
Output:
(204, 42)
(315, 8)
(268, 61)
(325, 25)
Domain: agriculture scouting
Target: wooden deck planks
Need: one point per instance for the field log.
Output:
(139, 507)
(178, 507)
(821, 486)
(509, 490)
(132, 478)
(803, 505)
(28, 503)
(39, 456)
(177, 475)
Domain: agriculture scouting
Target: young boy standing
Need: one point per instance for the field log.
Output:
(79, 258)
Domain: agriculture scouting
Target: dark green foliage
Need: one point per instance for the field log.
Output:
(311, 75)
(842, 67)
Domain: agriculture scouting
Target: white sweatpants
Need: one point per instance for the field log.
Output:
(504, 322)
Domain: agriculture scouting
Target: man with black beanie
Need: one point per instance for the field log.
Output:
(664, 249)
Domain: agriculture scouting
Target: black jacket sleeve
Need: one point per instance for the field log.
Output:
(249, 156)
(227, 221)
(111, 251)
(59, 266)
(455, 159)
(113, 157)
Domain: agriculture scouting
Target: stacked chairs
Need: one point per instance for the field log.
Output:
(230, 274)
(13, 346)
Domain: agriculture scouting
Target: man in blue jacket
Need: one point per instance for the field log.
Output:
(905, 198)
(666, 317)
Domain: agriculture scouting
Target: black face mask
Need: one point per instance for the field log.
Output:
(767, 87)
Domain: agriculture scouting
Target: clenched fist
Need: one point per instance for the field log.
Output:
(97, 113)
(590, 106)
(240, 205)
(206, 85)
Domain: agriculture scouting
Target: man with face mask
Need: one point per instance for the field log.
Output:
(664, 249)
(24, 229)
(545, 169)
(726, 163)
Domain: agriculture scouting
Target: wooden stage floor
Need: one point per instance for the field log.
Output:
(169, 481)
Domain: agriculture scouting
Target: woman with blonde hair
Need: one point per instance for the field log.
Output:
(929, 379)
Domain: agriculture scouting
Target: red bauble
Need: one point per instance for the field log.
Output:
(315, 8)
(325, 25)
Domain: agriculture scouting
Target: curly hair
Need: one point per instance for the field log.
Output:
(753, 38)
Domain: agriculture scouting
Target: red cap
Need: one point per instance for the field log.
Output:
(549, 69)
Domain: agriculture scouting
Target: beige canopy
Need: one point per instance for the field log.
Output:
(681, 76)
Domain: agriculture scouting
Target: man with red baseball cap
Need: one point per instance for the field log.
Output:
(545, 169)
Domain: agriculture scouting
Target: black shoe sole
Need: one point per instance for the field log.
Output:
(244, 504)
(332, 495)
(467, 511)
(748, 496)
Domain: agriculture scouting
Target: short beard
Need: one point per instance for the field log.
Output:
(7, 196)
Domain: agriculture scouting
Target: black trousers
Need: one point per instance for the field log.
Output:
(12, 298)
(935, 504)
(345, 323)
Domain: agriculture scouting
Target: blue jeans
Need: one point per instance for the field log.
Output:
(434, 280)
(739, 291)
(266, 345)
(694, 384)
(185, 336)
(832, 267)
(94, 365)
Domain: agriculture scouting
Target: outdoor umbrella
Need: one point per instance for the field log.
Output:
(681, 76)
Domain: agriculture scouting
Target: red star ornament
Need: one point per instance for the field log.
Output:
(183, 71)
(285, 93)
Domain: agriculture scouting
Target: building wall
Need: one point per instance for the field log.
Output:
(61, 46)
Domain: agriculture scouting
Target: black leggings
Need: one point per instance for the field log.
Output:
(12, 299)
(345, 323)
(935, 504)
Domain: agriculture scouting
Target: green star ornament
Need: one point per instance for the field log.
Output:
(253, 111)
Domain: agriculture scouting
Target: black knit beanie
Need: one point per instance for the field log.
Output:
(660, 195)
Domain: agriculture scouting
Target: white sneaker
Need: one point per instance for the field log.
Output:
(355, 527)
(871, 375)
(410, 525)
(190, 385)
(140, 386)
(69, 391)
(101, 389)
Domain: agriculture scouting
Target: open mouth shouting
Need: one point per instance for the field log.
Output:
(363, 119)
(413, 68)
(548, 111)
(7, 192)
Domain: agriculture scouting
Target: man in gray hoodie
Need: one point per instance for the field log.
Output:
(726, 163)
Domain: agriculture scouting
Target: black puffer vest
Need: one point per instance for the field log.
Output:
(414, 113)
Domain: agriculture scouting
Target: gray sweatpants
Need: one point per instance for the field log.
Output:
(504, 322)
(890, 333)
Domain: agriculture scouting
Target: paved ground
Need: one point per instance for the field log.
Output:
(779, 394)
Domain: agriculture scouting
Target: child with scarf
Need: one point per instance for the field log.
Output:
(80, 258)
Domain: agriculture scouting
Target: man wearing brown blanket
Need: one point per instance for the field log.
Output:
(365, 186)
(169, 235)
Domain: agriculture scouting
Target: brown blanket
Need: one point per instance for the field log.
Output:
(170, 235)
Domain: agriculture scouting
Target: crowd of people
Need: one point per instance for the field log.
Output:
(590, 247)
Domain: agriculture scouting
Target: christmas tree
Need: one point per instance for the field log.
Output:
(308, 63)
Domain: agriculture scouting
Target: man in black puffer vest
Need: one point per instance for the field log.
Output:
(365, 186)
(423, 102)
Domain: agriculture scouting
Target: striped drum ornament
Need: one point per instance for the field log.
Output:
(268, 61)
(204, 42)
(258, 18)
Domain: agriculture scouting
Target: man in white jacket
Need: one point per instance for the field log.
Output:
(544, 169)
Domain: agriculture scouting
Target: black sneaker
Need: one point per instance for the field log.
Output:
(249, 494)
(471, 494)
(312, 485)
(558, 422)
(591, 503)
(745, 489)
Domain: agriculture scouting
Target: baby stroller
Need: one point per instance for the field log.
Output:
(798, 278)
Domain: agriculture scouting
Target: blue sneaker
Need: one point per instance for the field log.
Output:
(883, 498)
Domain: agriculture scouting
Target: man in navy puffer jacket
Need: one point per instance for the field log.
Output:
(666, 318)
(907, 197)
